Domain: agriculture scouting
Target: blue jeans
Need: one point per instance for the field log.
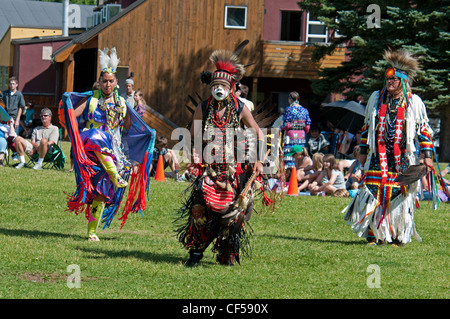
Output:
(3, 142)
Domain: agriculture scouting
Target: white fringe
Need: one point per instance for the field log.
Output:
(400, 215)
(398, 222)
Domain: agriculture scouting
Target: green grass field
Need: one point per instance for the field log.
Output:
(303, 251)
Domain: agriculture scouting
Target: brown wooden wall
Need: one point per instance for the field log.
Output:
(293, 60)
(167, 43)
(161, 125)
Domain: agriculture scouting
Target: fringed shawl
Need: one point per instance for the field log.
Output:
(140, 139)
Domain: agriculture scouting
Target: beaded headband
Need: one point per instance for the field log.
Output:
(391, 72)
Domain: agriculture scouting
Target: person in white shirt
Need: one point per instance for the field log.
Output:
(41, 139)
(242, 93)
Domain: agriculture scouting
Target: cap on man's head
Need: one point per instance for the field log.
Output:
(129, 81)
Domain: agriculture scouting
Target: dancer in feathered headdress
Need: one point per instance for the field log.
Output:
(396, 134)
(104, 166)
(221, 199)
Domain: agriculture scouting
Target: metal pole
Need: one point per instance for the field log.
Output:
(65, 24)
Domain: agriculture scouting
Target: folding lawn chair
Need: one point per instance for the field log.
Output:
(54, 158)
(10, 149)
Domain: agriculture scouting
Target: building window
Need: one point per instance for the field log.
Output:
(236, 17)
(291, 25)
(316, 30)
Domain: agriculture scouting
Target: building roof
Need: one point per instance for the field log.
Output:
(36, 14)
(91, 33)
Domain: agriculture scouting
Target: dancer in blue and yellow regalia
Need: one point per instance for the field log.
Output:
(396, 134)
(112, 148)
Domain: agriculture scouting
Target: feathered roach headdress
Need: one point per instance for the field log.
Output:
(109, 63)
(403, 65)
(229, 69)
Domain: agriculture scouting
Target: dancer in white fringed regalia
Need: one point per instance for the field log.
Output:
(395, 135)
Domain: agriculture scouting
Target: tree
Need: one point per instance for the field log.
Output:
(420, 26)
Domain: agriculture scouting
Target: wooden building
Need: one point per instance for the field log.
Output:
(164, 45)
(30, 31)
(34, 20)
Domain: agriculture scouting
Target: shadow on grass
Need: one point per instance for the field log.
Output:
(100, 253)
(38, 233)
(317, 240)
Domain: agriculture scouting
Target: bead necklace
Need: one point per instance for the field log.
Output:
(113, 111)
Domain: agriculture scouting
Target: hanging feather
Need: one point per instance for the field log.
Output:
(240, 47)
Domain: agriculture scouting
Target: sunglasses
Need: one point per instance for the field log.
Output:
(45, 115)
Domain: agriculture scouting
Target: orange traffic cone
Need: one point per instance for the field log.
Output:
(159, 176)
(293, 184)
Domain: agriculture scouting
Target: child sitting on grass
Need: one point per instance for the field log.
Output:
(311, 172)
(329, 180)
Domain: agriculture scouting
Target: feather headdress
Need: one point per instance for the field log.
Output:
(403, 64)
(109, 63)
(229, 69)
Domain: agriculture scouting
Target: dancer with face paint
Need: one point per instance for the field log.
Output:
(221, 197)
(395, 132)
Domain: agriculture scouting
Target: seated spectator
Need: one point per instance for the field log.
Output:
(140, 103)
(317, 142)
(444, 172)
(41, 138)
(345, 164)
(3, 145)
(190, 174)
(26, 121)
(168, 155)
(7, 132)
(341, 193)
(345, 142)
(312, 171)
(354, 173)
(301, 160)
(330, 180)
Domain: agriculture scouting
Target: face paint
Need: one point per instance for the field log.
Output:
(219, 93)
